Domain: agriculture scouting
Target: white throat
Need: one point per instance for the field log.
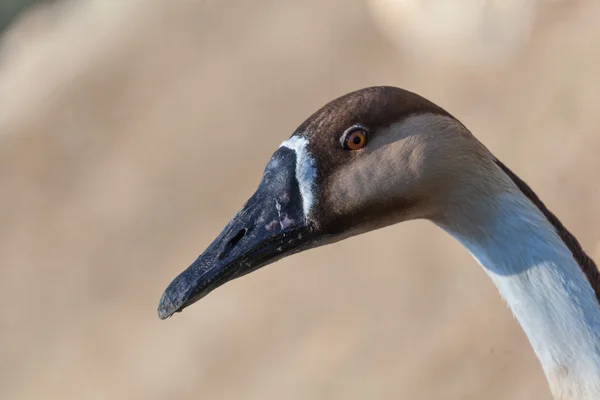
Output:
(543, 285)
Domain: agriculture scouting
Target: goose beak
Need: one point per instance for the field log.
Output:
(270, 226)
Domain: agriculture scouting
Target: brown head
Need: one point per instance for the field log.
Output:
(371, 158)
(414, 155)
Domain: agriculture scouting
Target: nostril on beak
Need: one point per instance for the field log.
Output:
(232, 242)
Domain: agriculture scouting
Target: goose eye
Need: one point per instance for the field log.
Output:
(355, 139)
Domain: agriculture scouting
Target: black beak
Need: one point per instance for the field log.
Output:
(270, 226)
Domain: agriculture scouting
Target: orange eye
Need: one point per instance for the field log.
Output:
(355, 139)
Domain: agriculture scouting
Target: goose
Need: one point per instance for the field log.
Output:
(382, 155)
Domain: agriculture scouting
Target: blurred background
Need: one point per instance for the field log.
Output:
(132, 130)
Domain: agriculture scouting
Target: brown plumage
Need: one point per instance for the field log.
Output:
(377, 108)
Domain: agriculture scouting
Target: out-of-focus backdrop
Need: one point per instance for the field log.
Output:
(131, 131)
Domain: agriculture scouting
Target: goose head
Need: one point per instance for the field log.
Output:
(371, 158)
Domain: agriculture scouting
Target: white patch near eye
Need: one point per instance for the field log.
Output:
(305, 170)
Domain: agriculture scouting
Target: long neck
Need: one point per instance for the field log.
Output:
(542, 283)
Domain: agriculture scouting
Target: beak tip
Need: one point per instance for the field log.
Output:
(166, 308)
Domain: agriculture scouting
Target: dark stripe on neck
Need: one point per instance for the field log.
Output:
(585, 262)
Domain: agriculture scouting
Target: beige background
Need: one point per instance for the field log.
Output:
(131, 131)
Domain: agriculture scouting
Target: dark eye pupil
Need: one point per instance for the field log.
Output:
(356, 139)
